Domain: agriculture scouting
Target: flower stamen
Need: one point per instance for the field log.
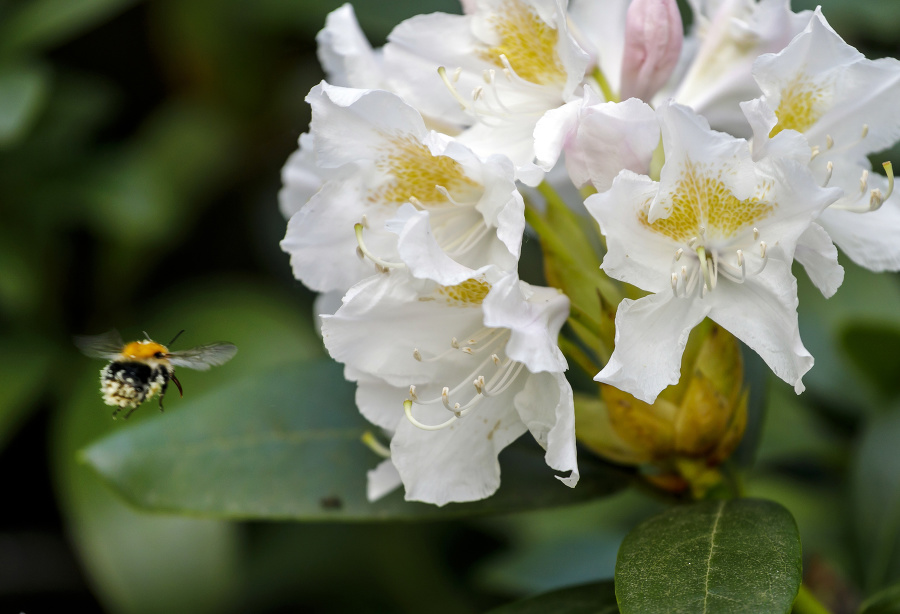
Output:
(382, 265)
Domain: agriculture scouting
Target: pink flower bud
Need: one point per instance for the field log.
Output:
(653, 37)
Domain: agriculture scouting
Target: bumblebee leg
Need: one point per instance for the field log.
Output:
(177, 384)
(162, 393)
(131, 411)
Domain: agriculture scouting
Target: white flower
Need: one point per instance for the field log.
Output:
(422, 199)
(504, 65)
(714, 238)
(845, 107)
(727, 38)
(477, 364)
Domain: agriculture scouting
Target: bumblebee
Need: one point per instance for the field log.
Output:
(140, 370)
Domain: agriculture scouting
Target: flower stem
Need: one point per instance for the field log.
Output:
(806, 603)
(605, 87)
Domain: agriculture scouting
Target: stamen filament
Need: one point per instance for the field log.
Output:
(384, 264)
(376, 446)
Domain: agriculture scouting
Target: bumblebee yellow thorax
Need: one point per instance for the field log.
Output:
(143, 350)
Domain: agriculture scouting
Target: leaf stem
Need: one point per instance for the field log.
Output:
(806, 603)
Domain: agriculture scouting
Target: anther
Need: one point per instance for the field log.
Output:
(412, 393)
(864, 181)
(889, 169)
(740, 258)
(466, 350)
(364, 221)
(376, 446)
(488, 75)
(762, 249)
(495, 359)
(865, 131)
(454, 343)
(477, 92)
(814, 152)
(675, 283)
(756, 234)
(828, 170)
(691, 242)
(829, 142)
(678, 254)
(479, 384)
(417, 355)
(703, 231)
(415, 202)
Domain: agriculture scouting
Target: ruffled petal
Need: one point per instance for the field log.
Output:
(534, 315)
(547, 408)
(345, 53)
(762, 312)
(651, 334)
(818, 255)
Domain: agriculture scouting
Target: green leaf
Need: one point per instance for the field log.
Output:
(741, 555)
(138, 563)
(153, 563)
(286, 445)
(886, 601)
(23, 91)
(594, 598)
(876, 502)
(40, 24)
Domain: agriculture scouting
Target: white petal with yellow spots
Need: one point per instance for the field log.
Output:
(378, 156)
(715, 238)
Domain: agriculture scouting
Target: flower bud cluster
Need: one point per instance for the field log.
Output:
(710, 163)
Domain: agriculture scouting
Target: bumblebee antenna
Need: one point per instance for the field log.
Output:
(174, 338)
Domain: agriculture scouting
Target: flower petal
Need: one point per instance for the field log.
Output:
(651, 334)
(534, 316)
(554, 430)
(818, 255)
(458, 463)
(762, 312)
(345, 53)
(870, 239)
(611, 137)
(382, 480)
(636, 254)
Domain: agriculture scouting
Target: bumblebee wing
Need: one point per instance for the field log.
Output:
(107, 345)
(204, 356)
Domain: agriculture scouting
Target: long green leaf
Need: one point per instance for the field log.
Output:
(286, 445)
(886, 601)
(23, 91)
(40, 24)
(593, 598)
(714, 557)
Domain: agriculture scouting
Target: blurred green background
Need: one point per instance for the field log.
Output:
(140, 152)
